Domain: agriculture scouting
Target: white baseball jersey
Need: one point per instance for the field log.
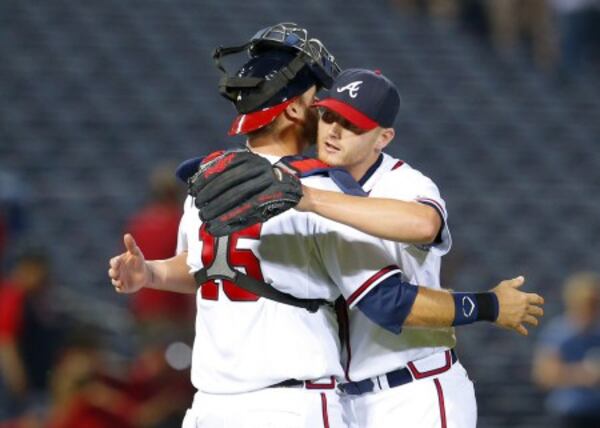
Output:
(373, 350)
(244, 343)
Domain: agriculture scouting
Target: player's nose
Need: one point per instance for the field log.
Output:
(335, 130)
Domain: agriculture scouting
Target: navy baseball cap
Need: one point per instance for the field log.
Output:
(365, 98)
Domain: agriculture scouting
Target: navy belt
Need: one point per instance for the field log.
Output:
(397, 377)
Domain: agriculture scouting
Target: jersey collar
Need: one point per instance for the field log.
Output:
(371, 170)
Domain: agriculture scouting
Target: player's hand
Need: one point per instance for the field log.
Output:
(306, 203)
(237, 189)
(516, 307)
(129, 271)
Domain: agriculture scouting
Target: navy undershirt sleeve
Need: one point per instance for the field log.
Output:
(438, 238)
(389, 303)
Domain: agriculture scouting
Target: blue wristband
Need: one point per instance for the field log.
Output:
(473, 307)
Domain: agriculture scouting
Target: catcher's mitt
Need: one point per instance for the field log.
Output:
(236, 189)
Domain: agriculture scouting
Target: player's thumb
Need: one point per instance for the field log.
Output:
(517, 282)
(130, 245)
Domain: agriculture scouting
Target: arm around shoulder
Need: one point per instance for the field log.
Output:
(391, 219)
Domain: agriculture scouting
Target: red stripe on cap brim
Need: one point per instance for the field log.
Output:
(348, 112)
(249, 122)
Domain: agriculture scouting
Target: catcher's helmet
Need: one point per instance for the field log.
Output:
(283, 64)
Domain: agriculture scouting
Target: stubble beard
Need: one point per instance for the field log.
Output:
(309, 132)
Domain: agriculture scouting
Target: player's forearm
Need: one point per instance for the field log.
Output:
(390, 219)
(172, 275)
(395, 303)
(441, 308)
(432, 308)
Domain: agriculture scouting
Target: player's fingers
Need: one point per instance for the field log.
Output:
(535, 311)
(522, 330)
(117, 284)
(131, 245)
(517, 282)
(113, 274)
(535, 299)
(531, 320)
(115, 262)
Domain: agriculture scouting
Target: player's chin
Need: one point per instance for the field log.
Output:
(332, 158)
(327, 158)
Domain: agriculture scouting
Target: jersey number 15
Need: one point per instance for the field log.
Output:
(238, 257)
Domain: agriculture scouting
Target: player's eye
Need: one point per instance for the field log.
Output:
(327, 116)
(352, 128)
(330, 117)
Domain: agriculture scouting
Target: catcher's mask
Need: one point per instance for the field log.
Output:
(284, 63)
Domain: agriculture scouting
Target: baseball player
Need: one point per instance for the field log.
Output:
(414, 375)
(258, 362)
(269, 354)
(424, 383)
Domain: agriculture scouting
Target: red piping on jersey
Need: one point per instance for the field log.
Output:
(370, 281)
(420, 375)
(324, 410)
(398, 165)
(440, 393)
(434, 202)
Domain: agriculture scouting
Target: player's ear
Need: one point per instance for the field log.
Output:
(295, 111)
(384, 138)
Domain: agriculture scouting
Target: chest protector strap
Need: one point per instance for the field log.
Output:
(220, 269)
(303, 166)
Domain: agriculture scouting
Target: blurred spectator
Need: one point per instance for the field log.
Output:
(579, 25)
(507, 23)
(29, 336)
(87, 393)
(567, 362)
(155, 228)
(160, 392)
(82, 395)
(560, 35)
(513, 22)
